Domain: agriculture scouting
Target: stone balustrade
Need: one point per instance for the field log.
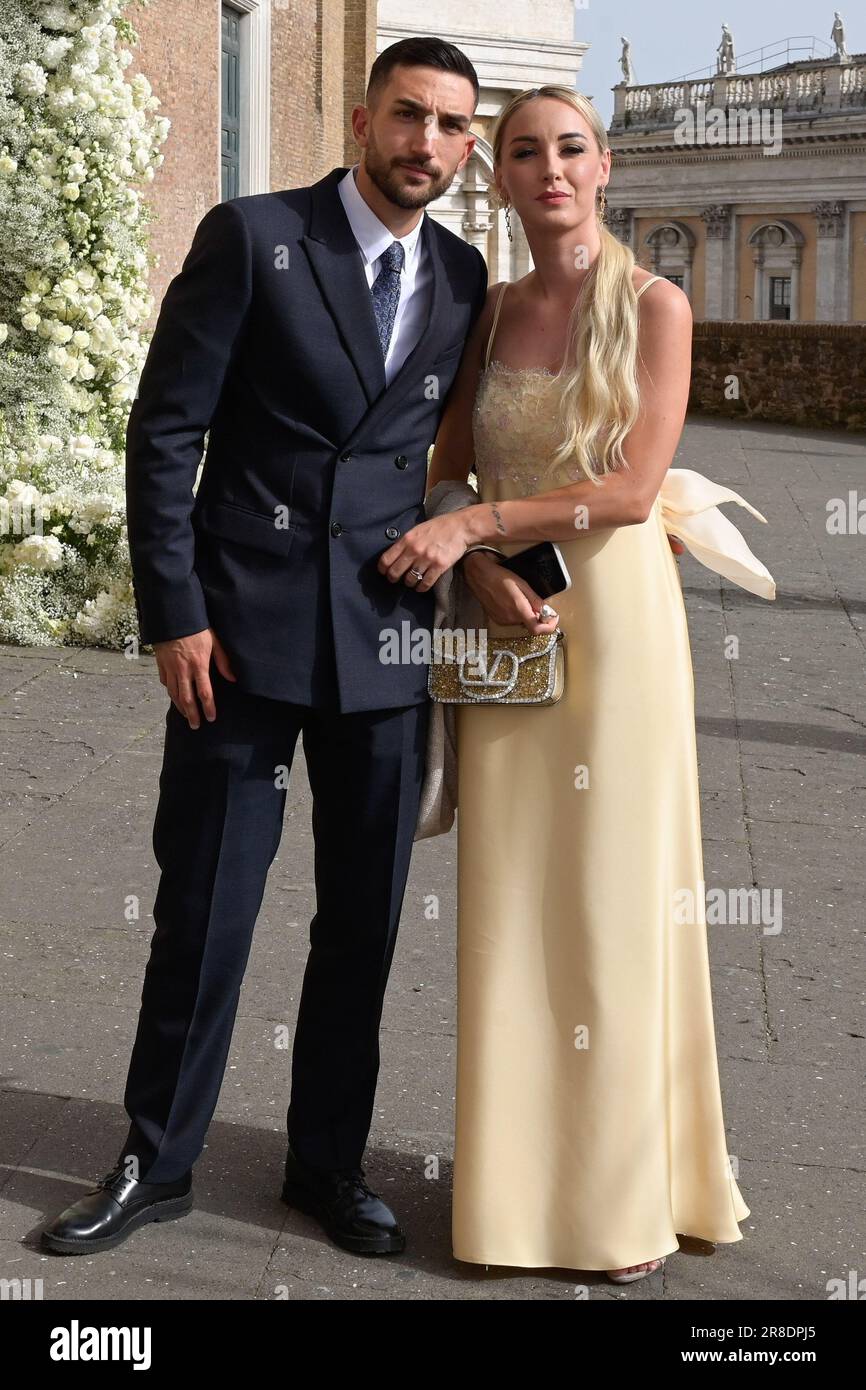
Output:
(820, 87)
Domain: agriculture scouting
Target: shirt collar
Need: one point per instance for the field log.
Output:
(370, 232)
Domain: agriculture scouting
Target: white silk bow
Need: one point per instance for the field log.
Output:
(688, 503)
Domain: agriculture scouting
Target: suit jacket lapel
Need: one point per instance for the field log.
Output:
(336, 262)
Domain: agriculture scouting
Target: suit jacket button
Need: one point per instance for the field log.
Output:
(391, 532)
(336, 528)
(401, 461)
(344, 458)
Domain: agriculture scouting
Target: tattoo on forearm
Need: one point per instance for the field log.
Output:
(500, 524)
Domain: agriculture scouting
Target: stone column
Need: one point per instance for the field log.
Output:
(620, 221)
(831, 287)
(832, 88)
(619, 95)
(796, 262)
(476, 230)
(477, 221)
(719, 286)
(758, 285)
(687, 275)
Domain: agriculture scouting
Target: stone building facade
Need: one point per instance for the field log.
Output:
(769, 223)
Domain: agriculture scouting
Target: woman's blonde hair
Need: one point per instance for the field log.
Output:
(599, 402)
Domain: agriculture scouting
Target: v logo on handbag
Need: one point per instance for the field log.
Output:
(535, 665)
(487, 676)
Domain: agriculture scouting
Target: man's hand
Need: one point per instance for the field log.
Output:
(431, 547)
(184, 670)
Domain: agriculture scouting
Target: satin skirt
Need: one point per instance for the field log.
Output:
(589, 1128)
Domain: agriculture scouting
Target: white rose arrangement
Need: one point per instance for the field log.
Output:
(78, 141)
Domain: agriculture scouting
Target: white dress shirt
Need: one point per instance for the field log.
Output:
(416, 277)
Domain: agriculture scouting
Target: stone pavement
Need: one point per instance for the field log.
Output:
(782, 742)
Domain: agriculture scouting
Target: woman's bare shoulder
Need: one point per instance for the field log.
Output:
(662, 292)
(663, 300)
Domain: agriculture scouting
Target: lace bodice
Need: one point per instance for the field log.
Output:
(515, 432)
(515, 425)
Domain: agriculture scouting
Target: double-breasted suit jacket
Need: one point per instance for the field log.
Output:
(266, 343)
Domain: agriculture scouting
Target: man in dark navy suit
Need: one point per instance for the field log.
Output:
(315, 332)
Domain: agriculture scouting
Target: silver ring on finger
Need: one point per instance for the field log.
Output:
(417, 574)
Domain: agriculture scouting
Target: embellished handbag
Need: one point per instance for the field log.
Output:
(528, 669)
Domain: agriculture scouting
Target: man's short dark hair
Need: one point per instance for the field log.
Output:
(419, 53)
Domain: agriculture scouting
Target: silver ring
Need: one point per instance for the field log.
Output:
(417, 574)
(546, 612)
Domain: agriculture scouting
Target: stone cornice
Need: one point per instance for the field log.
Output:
(465, 38)
(634, 158)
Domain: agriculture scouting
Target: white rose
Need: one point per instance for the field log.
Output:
(58, 356)
(59, 17)
(42, 552)
(71, 191)
(31, 322)
(31, 80)
(81, 446)
(4, 332)
(55, 51)
(23, 494)
(8, 165)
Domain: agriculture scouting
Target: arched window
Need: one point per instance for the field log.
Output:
(672, 252)
(777, 254)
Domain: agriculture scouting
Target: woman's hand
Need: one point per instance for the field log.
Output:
(431, 547)
(505, 598)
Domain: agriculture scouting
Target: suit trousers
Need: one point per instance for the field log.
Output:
(216, 832)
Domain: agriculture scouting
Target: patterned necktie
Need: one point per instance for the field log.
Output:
(386, 292)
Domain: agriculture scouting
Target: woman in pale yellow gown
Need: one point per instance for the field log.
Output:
(589, 1125)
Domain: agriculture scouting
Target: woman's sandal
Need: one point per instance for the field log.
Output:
(638, 1273)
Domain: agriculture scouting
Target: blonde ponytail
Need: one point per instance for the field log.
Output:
(599, 402)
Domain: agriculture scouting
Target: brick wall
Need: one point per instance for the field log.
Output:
(793, 373)
(321, 52)
(178, 53)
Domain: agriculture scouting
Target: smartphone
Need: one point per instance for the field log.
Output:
(543, 568)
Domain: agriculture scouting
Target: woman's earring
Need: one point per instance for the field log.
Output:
(508, 222)
(601, 205)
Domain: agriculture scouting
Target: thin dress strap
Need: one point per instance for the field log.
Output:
(495, 321)
(646, 284)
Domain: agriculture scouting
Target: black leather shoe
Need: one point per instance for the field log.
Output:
(113, 1209)
(353, 1216)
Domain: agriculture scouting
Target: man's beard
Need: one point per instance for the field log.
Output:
(388, 179)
